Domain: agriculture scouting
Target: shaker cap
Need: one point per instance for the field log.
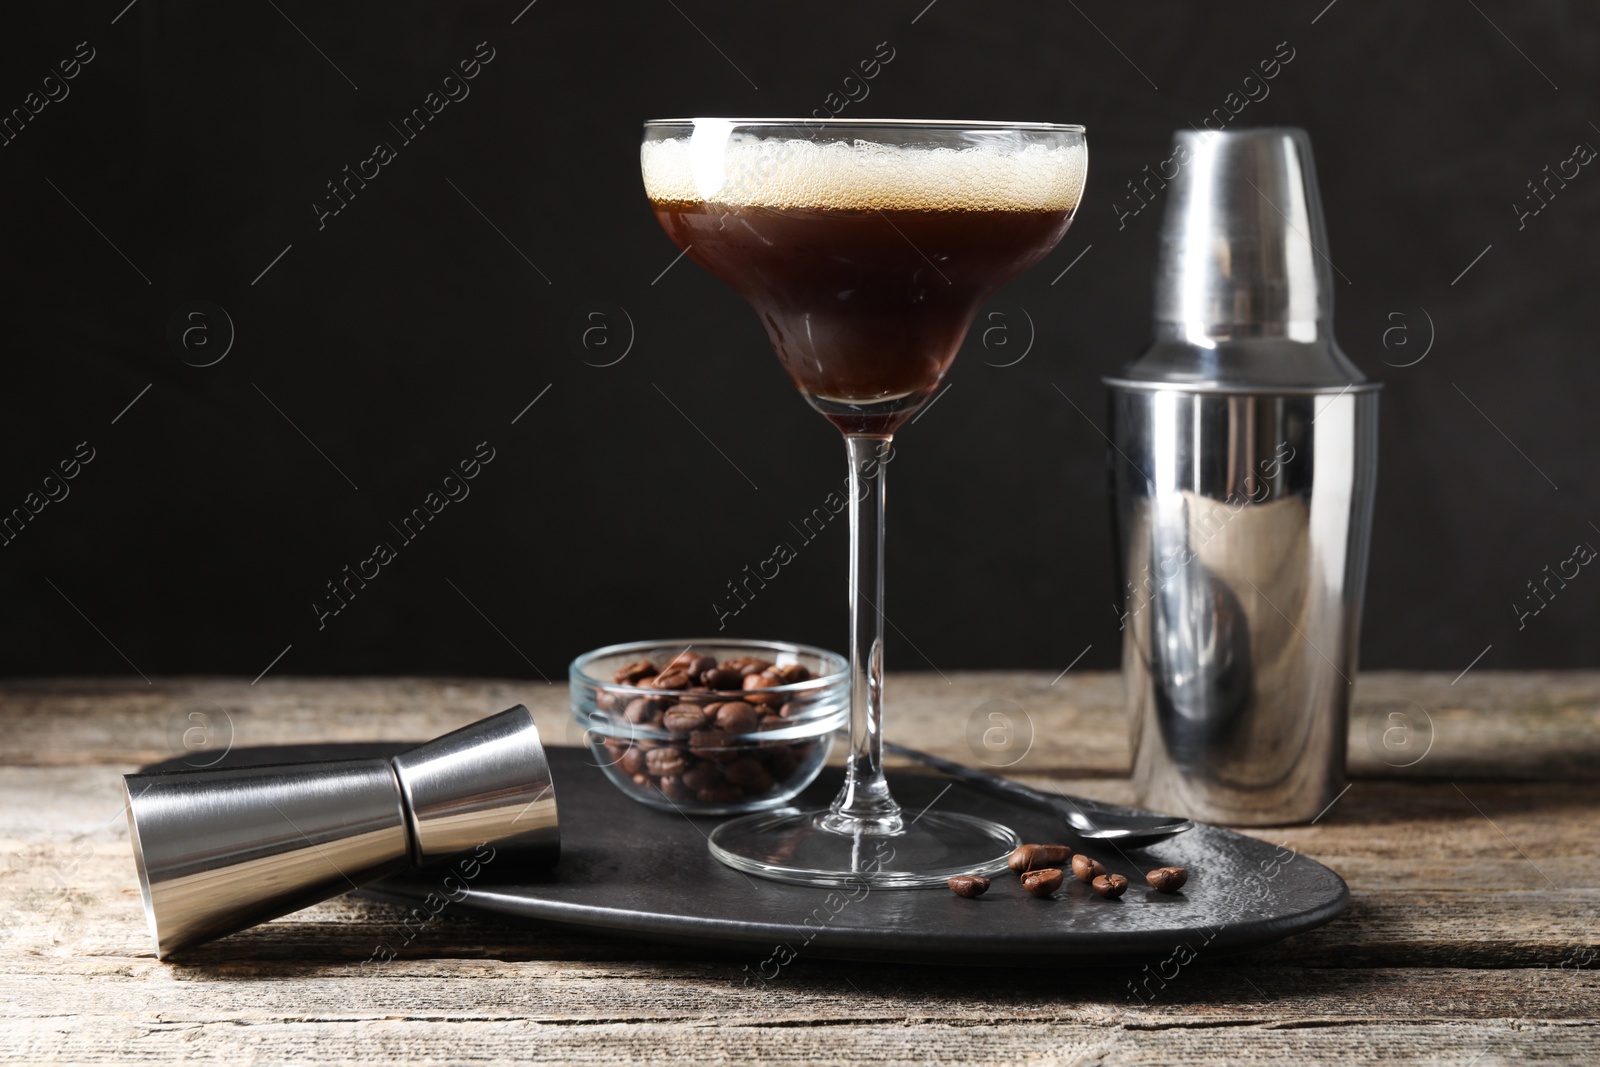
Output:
(1244, 290)
(1243, 241)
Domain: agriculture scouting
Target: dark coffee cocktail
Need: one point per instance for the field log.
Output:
(866, 277)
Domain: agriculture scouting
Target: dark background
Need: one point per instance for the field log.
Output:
(408, 329)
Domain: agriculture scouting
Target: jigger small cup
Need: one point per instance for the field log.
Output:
(219, 850)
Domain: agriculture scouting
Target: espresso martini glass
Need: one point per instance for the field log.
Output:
(866, 247)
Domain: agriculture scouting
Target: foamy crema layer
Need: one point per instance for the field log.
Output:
(719, 166)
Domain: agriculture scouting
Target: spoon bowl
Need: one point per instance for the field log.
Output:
(1088, 819)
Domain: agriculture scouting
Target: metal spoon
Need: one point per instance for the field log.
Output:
(1129, 827)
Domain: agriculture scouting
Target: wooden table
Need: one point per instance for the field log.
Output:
(1473, 935)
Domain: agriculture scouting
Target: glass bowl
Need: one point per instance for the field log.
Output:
(702, 728)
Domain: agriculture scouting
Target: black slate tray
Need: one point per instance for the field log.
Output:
(630, 870)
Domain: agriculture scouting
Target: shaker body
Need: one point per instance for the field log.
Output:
(1242, 524)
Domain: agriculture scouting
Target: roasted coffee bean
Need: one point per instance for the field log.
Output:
(968, 885)
(641, 711)
(665, 761)
(746, 665)
(683, 718)
(1167, 879)
(720, 794)
(713, 745)
(1027, 857)
(761, 681)
(771, 720)
(669, 680)
(1043, 882)
(722, 679)
(1086, 869)
(790, 673)
(634, 672)
(748, 774)
(783, 759)
(793, 709)
(1110, 886)
(736, 717)
(644, 781)
(701, 775)
(632, 761)
(673, 789)
(606, 699)
(691, 663)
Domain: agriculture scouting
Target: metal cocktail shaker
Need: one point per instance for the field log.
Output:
(1242, 476)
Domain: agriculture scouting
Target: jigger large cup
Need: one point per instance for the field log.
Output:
(220, 850)
(1243, 470)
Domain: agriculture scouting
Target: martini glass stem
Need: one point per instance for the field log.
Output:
(864, 805)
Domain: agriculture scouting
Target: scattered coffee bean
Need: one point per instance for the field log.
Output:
(1086, 869)
(1043, 882)
(1027, 857)
(968, 885)
(1167, 879)
(1110, 886)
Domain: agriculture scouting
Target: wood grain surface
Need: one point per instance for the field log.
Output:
(1467, 837)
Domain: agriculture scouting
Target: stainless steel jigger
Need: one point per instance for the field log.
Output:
(1243, 472)
(220, 850)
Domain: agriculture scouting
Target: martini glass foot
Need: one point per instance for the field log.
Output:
(795, 846)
